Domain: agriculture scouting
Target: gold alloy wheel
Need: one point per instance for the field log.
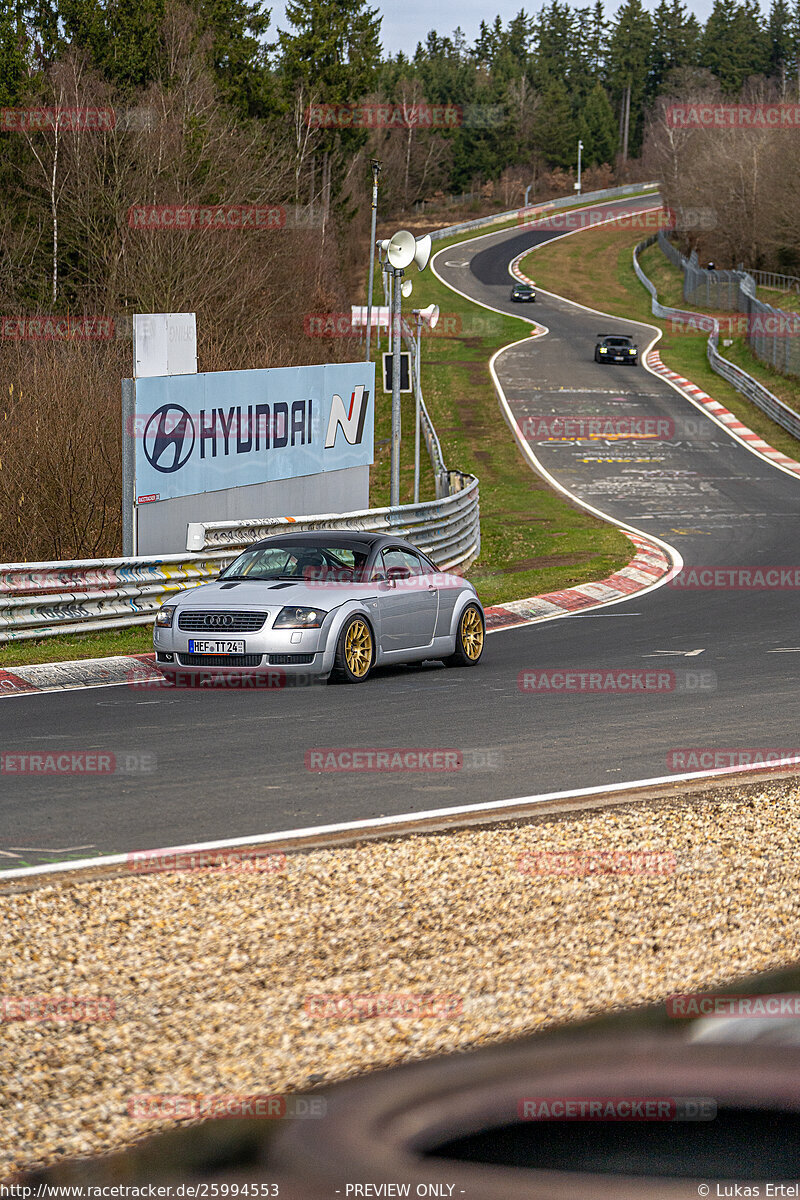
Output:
(358, 648)
(472, 634)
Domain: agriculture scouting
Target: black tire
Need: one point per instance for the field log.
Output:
(355, 640)
(469, 642)
(597, 357)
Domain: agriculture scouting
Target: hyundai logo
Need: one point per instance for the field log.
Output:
(170, 428)
(218, 619)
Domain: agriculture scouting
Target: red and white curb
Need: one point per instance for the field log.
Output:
(649, 565)
(80, 673)
(728, 419)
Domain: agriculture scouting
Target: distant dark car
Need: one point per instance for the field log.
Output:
(615, 347)
(523, 292)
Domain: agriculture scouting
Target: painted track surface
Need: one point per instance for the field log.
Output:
(233, 763)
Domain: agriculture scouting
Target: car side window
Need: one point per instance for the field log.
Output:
(395, 557)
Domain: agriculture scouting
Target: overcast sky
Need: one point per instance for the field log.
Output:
(408, 23)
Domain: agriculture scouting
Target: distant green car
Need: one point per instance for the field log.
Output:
(617, 348)
(523, 292)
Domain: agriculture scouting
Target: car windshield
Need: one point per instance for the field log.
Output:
(618, 341)
(521, 287)
(300, 560)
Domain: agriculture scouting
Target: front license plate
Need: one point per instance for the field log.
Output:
(196, 647)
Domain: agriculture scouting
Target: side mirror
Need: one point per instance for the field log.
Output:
(395, 573)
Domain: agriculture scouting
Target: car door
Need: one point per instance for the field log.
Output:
(409, 606)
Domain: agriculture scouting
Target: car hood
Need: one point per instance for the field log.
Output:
(244, 594)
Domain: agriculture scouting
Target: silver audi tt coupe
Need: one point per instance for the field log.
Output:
(331, 604)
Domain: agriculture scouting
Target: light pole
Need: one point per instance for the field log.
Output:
(396, 277)
(431, 316)
(376, 170)
(403, 249)
(578, 184)
(527, 193)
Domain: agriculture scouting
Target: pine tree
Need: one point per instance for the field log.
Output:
(782, 44)
(598, 128)
(237, 29)
(13, 45)
(555, 128)
(333, 49)
(629, 52)
(676, 39)
(734, 44)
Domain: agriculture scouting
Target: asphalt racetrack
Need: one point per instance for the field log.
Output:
(223, 764)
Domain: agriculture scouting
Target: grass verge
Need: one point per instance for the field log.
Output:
(137, 639)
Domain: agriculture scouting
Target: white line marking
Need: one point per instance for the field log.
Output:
(53, 849)
(683, 653)
(413, 818)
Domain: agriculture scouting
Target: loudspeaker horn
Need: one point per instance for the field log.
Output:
(401, 249)
(406, 287)
(423, 251)
(430, 315)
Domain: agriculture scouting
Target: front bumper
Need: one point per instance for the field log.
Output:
(289, 652)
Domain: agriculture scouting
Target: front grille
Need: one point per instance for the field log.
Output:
(220, 660)
(221, 622)
(284, 660)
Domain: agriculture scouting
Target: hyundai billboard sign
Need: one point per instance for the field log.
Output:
(225, 429)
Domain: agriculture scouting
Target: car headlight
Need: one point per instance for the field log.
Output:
(292, 617)
(603, 350)
(632, 351)
(164, 616)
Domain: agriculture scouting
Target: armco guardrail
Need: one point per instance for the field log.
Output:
(41, 599)
(535, 210)
(771, 333)
(447, 530)
(781, 413)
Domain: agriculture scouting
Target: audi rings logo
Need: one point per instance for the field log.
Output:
(223, 619)
(169, 438)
